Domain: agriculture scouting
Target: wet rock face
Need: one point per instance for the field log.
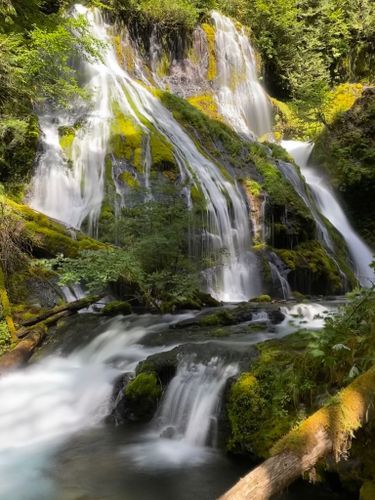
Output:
(135, 399)
(188, 77)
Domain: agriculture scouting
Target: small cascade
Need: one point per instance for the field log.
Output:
(240, 96)
(226, 236)
(280, 281)
(306, 316)
(190, 407)
(329, 206)
(291, 175)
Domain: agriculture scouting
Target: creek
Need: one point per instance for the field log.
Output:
(54, 439)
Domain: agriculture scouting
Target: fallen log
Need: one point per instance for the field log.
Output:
(327, 432)
(70, 306)
(18, 356)
(32, 337)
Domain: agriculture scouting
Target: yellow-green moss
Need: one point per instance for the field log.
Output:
(211, 46)
(206, 104)
(198, 199)
(129, 179)
(339, 419)
(252, 187)
(367, 491)
(290, 124)
(125, 53)
(67, 136)
(125, 138)
(162, 154)
(162, 66)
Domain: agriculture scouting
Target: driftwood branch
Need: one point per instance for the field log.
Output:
(328, 431)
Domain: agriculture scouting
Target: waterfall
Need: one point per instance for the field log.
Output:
(72, 191)
(240, 96)
(278, 278)
(291, 175)
(189, 409)
(330, 207)
(80, 190)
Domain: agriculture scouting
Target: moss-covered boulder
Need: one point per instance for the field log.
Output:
(142, 395)
(117, 307)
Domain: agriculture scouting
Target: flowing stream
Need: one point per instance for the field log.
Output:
(54, 444)
(330, 207)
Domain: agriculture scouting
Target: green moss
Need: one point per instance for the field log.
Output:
(274, 183)
(367, 491)
(347, 151)
(117, 307)
(162, 154)
(129, 180)
(162, 67)
(143, 394)
(207, 104)
(67, 136)
(5, 338)
(262, 298)
(312, 270)
(198, 199)
(211, 47)
(252, 187)
(222, 317)
(125, 138)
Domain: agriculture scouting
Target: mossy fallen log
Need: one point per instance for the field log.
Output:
(23, 350)
(71, 307)
(34, 336)
(328, 431)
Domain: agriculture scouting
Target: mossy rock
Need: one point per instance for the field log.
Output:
(162, 154)
(117, 307)
(126, 138)
(261, 298)
(142, 396)
(222, 317)
(367, 491)
(312, 271)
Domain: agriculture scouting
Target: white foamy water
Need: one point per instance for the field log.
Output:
(241, 98)
(330, 207)
(184, 429)
(45, 404)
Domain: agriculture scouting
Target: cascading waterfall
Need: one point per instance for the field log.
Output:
(330, 207)
(240, 96)
(299, 186)
(74, 193)
(190, 407)
(226, 235)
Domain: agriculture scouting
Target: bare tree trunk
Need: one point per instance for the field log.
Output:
(329, 430)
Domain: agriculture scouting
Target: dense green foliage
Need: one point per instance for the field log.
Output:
(153, 261)
(346, 149)
(37, 44)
